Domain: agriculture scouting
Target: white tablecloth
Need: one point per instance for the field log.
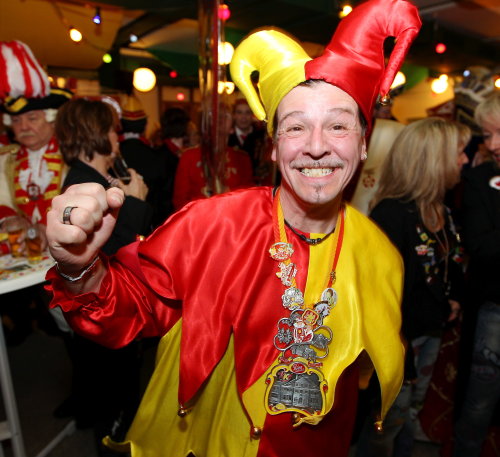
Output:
(17, 273)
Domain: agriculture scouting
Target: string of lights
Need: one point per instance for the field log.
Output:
(75, 34)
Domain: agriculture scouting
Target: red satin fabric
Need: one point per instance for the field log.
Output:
(124, 308)
(354, 59)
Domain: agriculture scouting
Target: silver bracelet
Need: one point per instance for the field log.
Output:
(86, 270)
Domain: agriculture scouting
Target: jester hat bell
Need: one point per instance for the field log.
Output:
(353, 60)
(24, 85)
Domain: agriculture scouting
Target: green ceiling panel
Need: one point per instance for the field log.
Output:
(184, 64)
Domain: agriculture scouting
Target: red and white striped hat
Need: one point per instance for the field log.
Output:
(20, 73)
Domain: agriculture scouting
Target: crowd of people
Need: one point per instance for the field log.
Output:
(280, 305)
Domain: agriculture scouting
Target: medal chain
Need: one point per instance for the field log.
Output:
(281, 237)
(300, 334)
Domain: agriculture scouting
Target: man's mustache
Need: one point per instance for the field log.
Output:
(25, 134)
(322, 163)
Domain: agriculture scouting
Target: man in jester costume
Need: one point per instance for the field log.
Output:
(266, 299)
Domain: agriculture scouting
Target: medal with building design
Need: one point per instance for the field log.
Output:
(297, 384)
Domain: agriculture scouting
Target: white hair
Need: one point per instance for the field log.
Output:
(50, 116)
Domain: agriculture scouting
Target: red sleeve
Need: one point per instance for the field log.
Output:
(124, 309)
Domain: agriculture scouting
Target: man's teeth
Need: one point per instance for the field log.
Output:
(316, 172)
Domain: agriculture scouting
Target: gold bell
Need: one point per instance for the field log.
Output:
(297, 419)
(256, 432)
(182, 412)
(385, 100)
(379, 427)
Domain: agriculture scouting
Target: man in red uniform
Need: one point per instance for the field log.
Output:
(36, 168)
(264, 298)
(190, 180)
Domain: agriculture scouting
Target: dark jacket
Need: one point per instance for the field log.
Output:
(152, 166)
(134, 217)
(481, 225)
(425, 306)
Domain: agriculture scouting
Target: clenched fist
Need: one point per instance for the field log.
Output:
(80, 222)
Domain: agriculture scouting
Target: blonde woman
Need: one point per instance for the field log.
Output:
(482, 238)
(424, 162)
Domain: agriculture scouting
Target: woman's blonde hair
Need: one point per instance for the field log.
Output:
(422, 164)
(488, 108)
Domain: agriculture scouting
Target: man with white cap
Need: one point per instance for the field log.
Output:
(30, 107)
(264, 298)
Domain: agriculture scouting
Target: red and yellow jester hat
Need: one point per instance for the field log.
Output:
(353, 60)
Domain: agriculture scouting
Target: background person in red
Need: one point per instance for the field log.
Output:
(190, 180)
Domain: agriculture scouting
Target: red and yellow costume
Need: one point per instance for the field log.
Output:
(209, 288)
(46, 181)
(206, 283)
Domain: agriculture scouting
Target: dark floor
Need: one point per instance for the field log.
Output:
(41, 374)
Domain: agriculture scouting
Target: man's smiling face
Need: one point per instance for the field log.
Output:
(319, 143)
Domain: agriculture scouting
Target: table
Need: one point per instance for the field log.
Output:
(15, 274)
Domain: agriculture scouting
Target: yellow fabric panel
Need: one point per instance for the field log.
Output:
(50, 195)
(55, 155)
(367, 315)
(157, 430)
(54, 166)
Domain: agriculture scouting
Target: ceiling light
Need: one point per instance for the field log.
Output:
(133, 38)
(225, 86)
(224, 12)
(144, 79)
(97, 16)
(399, 80)
(346, 9)
(75, 35)
(226, 51)
(439, 85)
(440, 48)
(497, 82)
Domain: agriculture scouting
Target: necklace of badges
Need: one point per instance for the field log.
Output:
(428, 255)
(296, 383)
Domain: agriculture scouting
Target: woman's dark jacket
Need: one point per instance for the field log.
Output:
(134, 217)
(425, 306)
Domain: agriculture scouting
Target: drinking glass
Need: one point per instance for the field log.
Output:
(34, 243)
(15, 227)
